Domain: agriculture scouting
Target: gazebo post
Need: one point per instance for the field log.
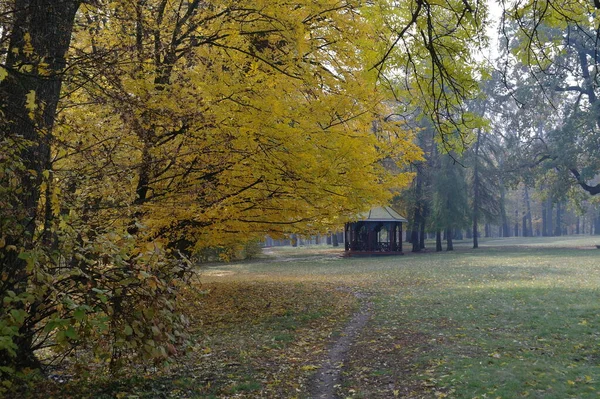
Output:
(400, 237)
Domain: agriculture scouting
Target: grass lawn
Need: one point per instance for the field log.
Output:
(514, 318)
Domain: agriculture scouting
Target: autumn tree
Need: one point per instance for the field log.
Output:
(184, 125)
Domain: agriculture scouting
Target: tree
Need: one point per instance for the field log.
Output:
(179, 127)
(450, 208)
(186, 125)
(557, 44)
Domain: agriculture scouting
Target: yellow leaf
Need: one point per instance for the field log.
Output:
(30, 103)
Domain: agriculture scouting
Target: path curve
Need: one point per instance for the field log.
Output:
(327, 378)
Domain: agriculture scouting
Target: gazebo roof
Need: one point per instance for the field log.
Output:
(381, 214)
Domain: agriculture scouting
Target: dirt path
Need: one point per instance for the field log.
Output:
(327, 378)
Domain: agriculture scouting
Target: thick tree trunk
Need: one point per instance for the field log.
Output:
(544, 219)
(597, 224)
(438, 241)
(414, 234)
(558, 227)
(334, 240)
(449, 244)
(39, 39)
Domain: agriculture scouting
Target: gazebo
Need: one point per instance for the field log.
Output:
(376, 232)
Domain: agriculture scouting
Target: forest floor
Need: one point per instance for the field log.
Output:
(514, 318)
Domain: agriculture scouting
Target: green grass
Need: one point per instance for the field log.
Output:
(515, 318)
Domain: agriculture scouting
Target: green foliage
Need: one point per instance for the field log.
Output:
(96, 294)
(550, 70)
(450, 204)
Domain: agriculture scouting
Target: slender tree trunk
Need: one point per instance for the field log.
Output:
(505, 228)
(476, 188)
(528, 216)
(417, 218)
(549, 221)
(334, 240)
(438, 240)
(422, 231)
(517, 223)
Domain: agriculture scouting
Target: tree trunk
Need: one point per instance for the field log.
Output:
(558, 227)
(527, 219)
(417, 218)
(422, 232)
(28, 103)
(449, 244)
(544, 219)
(414, 234)
(438, 241)
(476, 196)
(505, 228)
(549, 224)
(334, 240)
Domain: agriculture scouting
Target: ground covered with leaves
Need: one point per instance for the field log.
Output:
(511, 319)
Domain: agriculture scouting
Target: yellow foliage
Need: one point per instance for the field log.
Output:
(216, 123)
